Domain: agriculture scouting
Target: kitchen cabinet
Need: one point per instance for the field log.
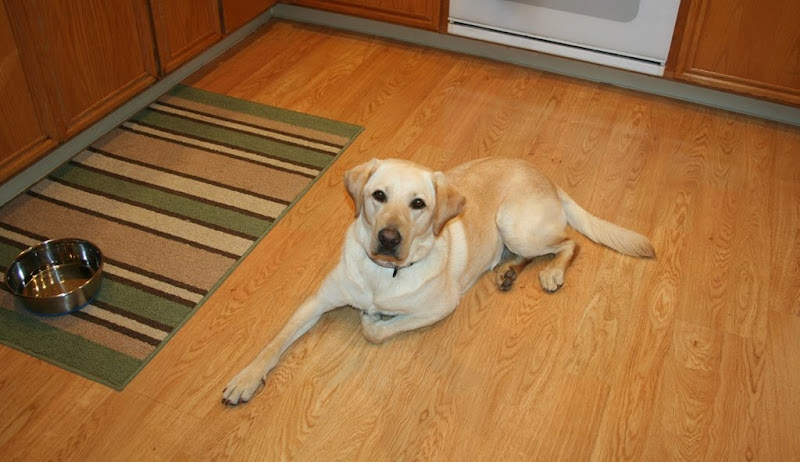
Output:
(236, 13)
(67, 63)
(424, 14)
(82, 58)
(183, 29)
(746, 46)
(23, 138)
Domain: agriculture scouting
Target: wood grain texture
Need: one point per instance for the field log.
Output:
(687, 357)
(82, 58)
(745, 46)
(22, 137)
(183, 29)
(424, 14)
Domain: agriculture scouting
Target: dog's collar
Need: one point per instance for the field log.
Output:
(395, 269)
(398, 268)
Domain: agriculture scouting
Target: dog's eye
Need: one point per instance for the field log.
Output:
(417, 204)
(379, 196)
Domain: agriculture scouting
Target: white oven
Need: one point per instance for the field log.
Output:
(629, 34)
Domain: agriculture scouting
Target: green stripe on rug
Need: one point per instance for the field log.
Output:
(193, 209)
(147, 294)
(8, 253)
(232, 138)
(141, 303)
(69, 351)
(266, 112)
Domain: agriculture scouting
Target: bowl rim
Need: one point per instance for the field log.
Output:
(44, 244)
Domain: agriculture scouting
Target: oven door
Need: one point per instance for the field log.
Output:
(631, 34)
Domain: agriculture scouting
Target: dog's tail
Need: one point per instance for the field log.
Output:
(603, 232)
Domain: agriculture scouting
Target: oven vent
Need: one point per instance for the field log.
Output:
(555, 47)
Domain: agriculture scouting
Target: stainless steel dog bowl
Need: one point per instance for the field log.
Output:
(57, 276)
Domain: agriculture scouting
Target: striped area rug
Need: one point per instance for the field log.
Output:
(174, 198)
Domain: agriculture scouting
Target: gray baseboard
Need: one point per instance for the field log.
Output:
(587, 71)
(79, 142)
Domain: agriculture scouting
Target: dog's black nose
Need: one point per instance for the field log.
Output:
(389, 238)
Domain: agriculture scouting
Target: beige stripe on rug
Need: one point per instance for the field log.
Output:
(171, 226)
(272, 125)
(222, 170)
(174, 182)
(215, 147)
(148, 251)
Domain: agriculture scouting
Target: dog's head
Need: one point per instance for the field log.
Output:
(402, 207)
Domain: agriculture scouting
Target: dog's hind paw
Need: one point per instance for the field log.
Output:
(505, 277)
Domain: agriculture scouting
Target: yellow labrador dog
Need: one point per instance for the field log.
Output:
(422, 238)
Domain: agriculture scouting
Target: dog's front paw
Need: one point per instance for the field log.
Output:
(242, 388)
(551, 278)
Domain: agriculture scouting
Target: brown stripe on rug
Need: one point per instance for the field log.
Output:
(221, 149)
(245, 128)
(150, 327)
(173, 171)
(109, 176)
(189, 186)
(152, 252)
(238, 174)
(160, 285)
(91, 314)
(127, 217)
(174, 198)
(232, 149)
(98, 334)
(111, 198)
(302, 133)
(152, 286)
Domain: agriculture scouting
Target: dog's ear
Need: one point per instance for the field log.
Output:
(449, 202)
(356, 178)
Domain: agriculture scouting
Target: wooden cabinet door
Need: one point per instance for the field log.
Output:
(236, 13)
(82, 57)
(747, 46)
(184, 28)
(417, 13)
(22, 137)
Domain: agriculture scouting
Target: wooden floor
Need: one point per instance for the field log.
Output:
(692, 356)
